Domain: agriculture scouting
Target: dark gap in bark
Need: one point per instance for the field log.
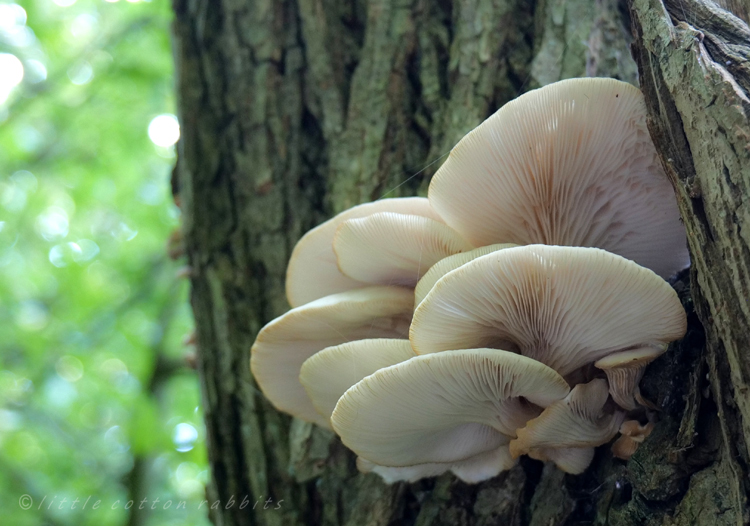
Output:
(533, 471)
(313, 165)
(444, 9)
(354, 23)
(624, 14)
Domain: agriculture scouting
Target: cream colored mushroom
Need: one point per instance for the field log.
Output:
(476, 469)
(444, 408)
(573, 460)
(327, 374)
(571, 163)
(286, 342)
(564, 306)
(577, 421)
(393, 249)
(442, 267)
(624, 371)
(313, 272)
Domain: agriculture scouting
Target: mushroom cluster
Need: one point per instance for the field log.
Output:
(510, 312)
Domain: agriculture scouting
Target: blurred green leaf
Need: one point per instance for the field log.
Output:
(92, 315)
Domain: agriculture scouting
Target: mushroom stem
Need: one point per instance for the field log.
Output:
(577, 421)
(624, 371)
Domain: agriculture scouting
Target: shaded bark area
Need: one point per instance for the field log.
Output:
(293, 110)
(695, 72)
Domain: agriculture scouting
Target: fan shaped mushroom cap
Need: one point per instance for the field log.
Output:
(624, 370)
(577, 421)
(571, 163)
(286, 342)
(444, 407)
(573, 460)
(393, 249)
(327, 374)
(445, 265)
(313, 272)
(472, 470)
(563, 306)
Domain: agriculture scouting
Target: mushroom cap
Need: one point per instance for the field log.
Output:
(636, 430)
(480, 467)
(327, 374)
(484, 466)
(448, 264)
(391, 475)
(624, 447)
(313, 273)
(573, 460)
(577, 421)
(444, 407)
(571, 163)
(563, 306)
(624, 371)
(633, 434)
(636, 358)
(286, 342)
(393, 249)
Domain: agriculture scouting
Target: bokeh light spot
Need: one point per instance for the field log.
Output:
(52, 224)
(184, 437)
(81, 73)
(69, 368)
(164, 130)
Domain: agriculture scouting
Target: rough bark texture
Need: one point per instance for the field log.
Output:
(293, 110)
(695, 72)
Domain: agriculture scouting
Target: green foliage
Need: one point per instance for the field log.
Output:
(95, 396)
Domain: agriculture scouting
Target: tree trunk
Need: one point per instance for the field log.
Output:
(293, 110)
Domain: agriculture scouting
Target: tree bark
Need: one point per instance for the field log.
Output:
(293, 110)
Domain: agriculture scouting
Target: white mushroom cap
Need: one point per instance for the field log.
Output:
(313, 271)
(286, 342)
(391, 475)
(448, 264)
(327, 375)
(563, 306)
(624, 371)
(393, 249)
(573, 460)
(571, 163)
(472, 470)
(577, 421)
(444, 407)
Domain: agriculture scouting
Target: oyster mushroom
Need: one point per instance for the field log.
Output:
(445, 408)
(327, 374)
(285, 343)
(571, 163)
(564, 306)
(442, 267)
(577, 421)
(393, 249)
(633, 435)
(313, 272)
(624, 371)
